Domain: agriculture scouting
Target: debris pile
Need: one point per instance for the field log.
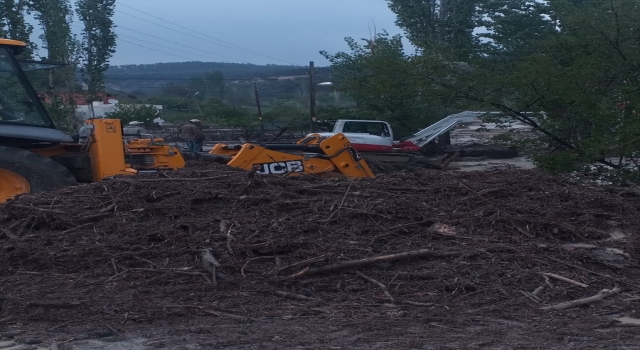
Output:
(212, 240)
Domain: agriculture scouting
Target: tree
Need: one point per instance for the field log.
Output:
(382, 80)
(98, 41)
(443, 25)
(14, 26)
(578, 67)
(129, 113)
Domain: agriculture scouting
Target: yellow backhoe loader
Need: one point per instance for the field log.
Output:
(35, 156)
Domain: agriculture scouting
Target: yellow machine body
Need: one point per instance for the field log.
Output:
(106, 149)
(155, 155)
(329, 156)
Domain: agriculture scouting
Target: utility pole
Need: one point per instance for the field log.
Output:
(255, 90)
(312, 102)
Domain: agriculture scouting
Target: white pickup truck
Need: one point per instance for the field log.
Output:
(377, 135)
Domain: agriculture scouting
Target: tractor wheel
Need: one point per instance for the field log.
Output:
(22, 171)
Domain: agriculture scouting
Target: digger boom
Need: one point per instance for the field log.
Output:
(329, 156)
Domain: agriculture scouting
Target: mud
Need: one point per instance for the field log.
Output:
(119, 264)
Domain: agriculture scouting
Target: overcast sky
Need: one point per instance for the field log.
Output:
(276, 31)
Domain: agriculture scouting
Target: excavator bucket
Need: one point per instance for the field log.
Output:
(333, 155)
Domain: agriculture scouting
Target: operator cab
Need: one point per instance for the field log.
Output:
(23, 117)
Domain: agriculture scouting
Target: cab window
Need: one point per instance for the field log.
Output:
(372, 128)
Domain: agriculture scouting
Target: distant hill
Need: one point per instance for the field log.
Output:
(149, 78)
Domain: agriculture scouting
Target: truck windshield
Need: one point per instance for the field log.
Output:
(17, 105)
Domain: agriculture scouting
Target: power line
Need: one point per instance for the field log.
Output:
(194, 48)
(190, 35)
(146, 47)
(205, 35)
(160, 45)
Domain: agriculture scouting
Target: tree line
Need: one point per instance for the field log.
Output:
(570, 68)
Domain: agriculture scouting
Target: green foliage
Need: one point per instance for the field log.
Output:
(385, 84)
(443, 25)
(14, 26)
(575, 64)
(64, 117)
(129, 113)
(98, 41)
(283, 111)
(55, 18)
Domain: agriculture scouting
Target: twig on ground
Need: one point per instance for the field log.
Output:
(341, 204)
(415, 303)
(226, 230)
(592, 299)
(289, 295)
(115, 267)
(475, 193)
(36, 209)
(170, 179)
(379, 284)
(73, 229)
(147, 261)
(308, 261)
(111, 207)
(9, 234)
(531, 296)
(537, 291)
(558, 277)
(373, 260)
(252, 259)
(597, 273)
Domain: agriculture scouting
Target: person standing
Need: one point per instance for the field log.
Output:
(192, 133)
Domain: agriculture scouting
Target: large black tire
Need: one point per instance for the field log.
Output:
(42, 173)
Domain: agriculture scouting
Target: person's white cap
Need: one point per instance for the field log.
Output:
(194, 120)
(135, 123)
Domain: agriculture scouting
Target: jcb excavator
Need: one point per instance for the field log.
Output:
(35, 156)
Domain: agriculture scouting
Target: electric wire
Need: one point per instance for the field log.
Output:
(227, 44)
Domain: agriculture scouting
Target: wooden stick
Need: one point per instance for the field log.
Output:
(288, 295)
(225, 230)
(597, 273)
(369, 261)
(169, 179)
(558, 277)
(147, 261)
(109, 208)
(416, 303)
(302, 262)
(379, 284)
(92, 217)
(37, 209)
(252, 259)
(592, 299)
(537, 291)
(73, 229)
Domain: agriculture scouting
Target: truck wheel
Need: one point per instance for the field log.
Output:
(22, 171)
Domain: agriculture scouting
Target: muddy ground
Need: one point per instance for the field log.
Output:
(409, 260)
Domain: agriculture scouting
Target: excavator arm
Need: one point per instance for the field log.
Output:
(325, 156)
